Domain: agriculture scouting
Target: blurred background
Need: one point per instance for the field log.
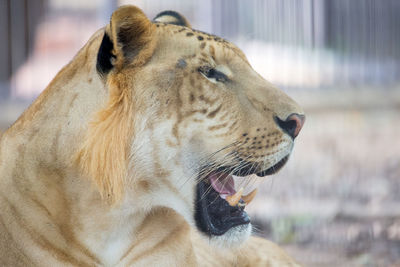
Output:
(337, 202)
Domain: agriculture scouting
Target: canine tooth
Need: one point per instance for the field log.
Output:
(241, 204)
(249, 197)
(233, 200)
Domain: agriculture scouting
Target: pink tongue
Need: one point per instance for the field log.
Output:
(223, 183)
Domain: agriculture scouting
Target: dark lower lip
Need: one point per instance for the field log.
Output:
(248, 169)
(213, 215)
(275, 168)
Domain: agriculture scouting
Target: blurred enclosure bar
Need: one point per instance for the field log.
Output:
(366, 27)
(363, 34)
(18, 20)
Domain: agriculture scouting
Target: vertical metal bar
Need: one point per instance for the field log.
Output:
(9, 59)
(27, 28)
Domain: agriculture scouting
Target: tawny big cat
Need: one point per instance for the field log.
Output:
(130, 156)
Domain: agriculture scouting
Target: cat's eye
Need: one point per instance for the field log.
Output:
(213, 74)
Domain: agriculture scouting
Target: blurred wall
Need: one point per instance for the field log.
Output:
(18, 21)
(363, 34)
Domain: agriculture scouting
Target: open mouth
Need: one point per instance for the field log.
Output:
(219, 207)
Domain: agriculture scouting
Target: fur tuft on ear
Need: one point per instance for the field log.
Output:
(172, 17)
(131, 33)
(105, 151)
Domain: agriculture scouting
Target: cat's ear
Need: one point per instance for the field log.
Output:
(172, 17)
(128, 39)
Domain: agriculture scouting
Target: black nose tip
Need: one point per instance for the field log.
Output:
(292, 125)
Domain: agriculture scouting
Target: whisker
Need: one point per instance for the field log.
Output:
(206, 161)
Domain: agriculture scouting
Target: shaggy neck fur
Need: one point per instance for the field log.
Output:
(62, 209)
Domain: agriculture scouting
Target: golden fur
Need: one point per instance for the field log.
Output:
(105, 151)
(94, 172)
